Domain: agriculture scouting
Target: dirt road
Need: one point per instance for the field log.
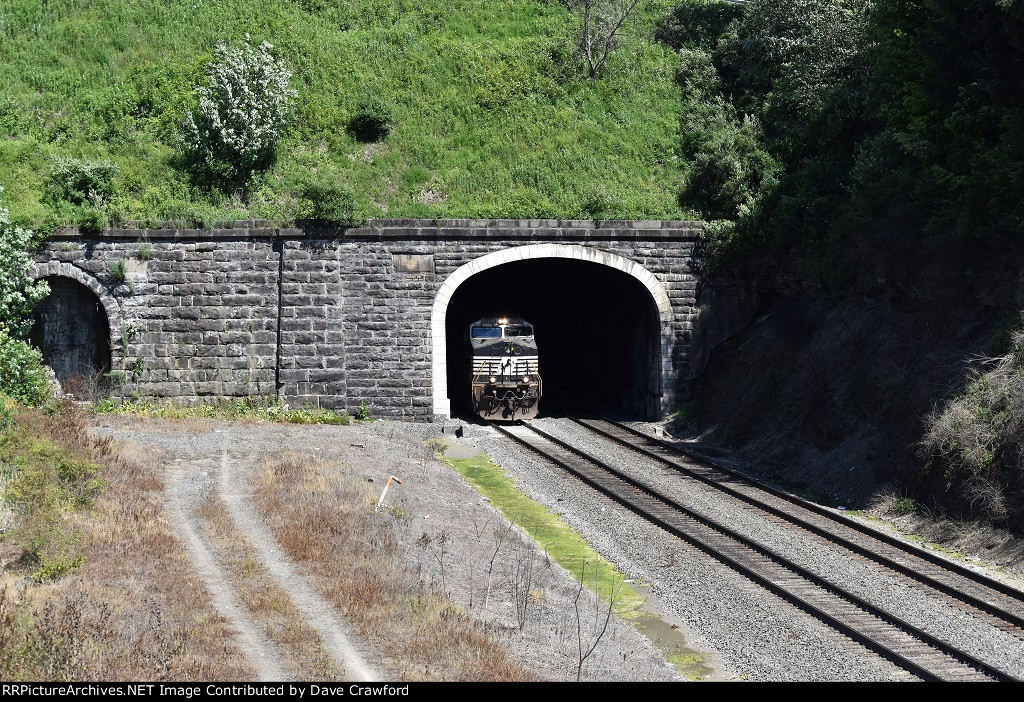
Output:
(209, 462)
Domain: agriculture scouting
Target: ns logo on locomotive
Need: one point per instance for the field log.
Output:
(506, 378)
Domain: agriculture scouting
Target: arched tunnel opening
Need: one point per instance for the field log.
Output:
(71, 330)
(597, 332)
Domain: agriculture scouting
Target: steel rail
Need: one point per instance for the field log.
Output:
(980, 579)
(990, 608)
(872, 644)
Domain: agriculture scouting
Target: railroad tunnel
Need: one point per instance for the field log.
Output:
(597, 330)
(71, 329)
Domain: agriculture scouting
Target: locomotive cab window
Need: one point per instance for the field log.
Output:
(486, 332)
(518, 330)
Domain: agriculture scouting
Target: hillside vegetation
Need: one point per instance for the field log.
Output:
(869, 152)
(493, 114)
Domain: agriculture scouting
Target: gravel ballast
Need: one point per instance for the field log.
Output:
(898, 596)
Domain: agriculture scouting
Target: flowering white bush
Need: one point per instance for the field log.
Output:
(21, 371)
(18, 291)
(242, 112)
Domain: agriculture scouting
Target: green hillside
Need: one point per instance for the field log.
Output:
(493, 114)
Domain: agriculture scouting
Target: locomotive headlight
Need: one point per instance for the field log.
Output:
(492, 379)
(526, 380)
(503, 320)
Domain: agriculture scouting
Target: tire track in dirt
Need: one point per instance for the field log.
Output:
(257, 650)
(318, 612)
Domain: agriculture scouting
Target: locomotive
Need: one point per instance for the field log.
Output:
(506, 381)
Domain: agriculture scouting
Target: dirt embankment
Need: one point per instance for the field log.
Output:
(833, 398)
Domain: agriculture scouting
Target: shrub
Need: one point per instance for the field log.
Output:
(330, 201)
(729, 169)
(977, 441)
(697, 23)
(371, 122)
(18, 291)
(82, 181)
(92, 221)
(22, 374)
(242, 113)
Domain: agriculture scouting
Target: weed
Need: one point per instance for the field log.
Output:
(118, 272)
(137, 368)
(437, 446)
(134, 609)
(117, 378)
(904, 506)
(243, 409)
(363, 413)
(92, 221)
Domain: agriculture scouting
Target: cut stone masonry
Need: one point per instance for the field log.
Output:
(337, 317)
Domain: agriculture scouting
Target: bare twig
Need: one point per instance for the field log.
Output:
(442, 541)
(613, 593)
(523, 567)
(501, 535)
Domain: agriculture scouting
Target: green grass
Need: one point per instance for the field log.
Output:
(493, 115)
(241, 409)
(559, 541)
(42, 483)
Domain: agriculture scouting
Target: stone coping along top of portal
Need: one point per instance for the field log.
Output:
(401, 229)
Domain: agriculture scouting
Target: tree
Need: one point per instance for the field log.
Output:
(242, 113)
(599, 32)
(728, 167)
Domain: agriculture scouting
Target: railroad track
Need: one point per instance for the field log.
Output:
(885, 633)
(1002, 604)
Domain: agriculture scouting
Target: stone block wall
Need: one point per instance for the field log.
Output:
(326, 317)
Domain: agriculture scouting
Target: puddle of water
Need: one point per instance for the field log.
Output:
(668, 638)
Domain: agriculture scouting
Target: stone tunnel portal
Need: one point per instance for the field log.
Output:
(71, 329)
(597, 331)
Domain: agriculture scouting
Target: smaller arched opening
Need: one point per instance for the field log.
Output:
(72, 331)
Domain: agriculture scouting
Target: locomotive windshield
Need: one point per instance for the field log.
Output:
(486, 332)
(518, 330)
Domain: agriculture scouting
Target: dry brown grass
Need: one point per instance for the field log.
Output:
(976, 441)
(133, 610)
(324, 521)
(300, 647)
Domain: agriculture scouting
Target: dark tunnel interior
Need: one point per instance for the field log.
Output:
(596, 328)
(71, 329)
